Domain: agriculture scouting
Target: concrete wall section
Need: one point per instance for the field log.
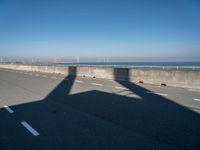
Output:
(94, 72)
(173, 77)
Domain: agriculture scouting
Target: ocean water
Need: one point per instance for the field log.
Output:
(164, 65)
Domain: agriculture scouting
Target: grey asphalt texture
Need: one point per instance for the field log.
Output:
(77, 113)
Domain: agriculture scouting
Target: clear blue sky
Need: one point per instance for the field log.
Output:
(137, 28)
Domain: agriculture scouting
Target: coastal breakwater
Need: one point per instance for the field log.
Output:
(165, 77)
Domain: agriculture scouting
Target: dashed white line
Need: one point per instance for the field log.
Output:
(119, 87)
(8, 109)
(194, 90)
(44, 76)
(78, 81)
(97, 84)
(161, 94)
(134, 96)
(196, 99)
(29, 128)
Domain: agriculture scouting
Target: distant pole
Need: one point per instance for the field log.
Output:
(55, 60)
(107, 59)
(77, 59)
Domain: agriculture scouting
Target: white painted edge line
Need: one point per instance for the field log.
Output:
(97, 84)
(78, 81)
(29, 128)
(53, 78)
(8, 109)
(162, 94)
(119, 87)
(196, 99)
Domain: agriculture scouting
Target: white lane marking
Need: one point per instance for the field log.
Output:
(97, 84)
(44, 76)
(29, 128)
(196, 99)
(161, 94)
(134, 96)
(78, 81)
(8, 109)
(53, 78)
(194, 90)
(119, 87)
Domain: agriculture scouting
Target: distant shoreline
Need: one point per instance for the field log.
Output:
(180, 65)
(150, 65)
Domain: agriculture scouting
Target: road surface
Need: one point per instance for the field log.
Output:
(48, 111)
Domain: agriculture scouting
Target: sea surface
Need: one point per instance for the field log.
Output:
(163, 65)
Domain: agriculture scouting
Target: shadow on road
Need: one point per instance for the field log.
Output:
(100, 120)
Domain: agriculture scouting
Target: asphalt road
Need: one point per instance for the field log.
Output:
(48, 111)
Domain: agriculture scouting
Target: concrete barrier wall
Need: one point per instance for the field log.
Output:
(33, 68)
(176, 78)
(169, 77)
